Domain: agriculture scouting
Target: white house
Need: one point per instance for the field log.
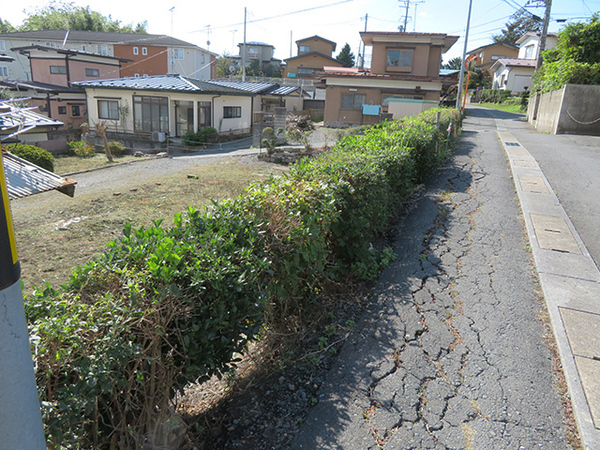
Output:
(167, 104)
(515, 74)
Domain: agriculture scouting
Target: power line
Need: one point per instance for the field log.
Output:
(279, 15)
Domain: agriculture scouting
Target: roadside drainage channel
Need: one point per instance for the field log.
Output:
(571, 284)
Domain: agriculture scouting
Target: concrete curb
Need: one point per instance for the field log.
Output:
(570, 281)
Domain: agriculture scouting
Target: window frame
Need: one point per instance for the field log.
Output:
(62, 110)
(2, 45)
(150, 113)
(91, 72)
(179, 54)
(144, 51)
(404, 55)
(58, 70)
(355, 98)
(136, 51)
(75, 110)
(303, 48)
(4, 71)
(232, 112)
(111, 112)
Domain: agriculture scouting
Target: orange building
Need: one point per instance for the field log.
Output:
(314, 53)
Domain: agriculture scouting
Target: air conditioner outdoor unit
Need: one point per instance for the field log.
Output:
(159, 136)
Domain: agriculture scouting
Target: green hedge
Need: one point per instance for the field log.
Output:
(163, 306)
(36, 155)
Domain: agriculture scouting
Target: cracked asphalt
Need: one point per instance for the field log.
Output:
(450, 354)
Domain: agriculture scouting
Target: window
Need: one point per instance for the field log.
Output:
(2, 46)
(58, 69)
(50, 44)
(75, 110)
(204, 114)
(103, 50)
(136, 75)
(4, 71)
(108, 109)
(497, 57)
(253, 53)
(399, 58)
(232, 112)
(144, 50)
(387, 97)
(136, 51)
(150, 113)
(62, 109)
(178, 53)
(304, 48)
(84, 48)
(305, 71)
(353, 101)
(529, 52)
(92, 72)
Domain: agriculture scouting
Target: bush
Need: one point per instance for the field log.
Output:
(81, 149)
(116, 148)
(493, 95)
(202, 136)
(33, 154)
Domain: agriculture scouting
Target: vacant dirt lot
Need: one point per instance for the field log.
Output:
(55, 233)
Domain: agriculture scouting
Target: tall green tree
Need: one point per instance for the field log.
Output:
(223, 63)
(574, 60)
(520, 22)
(454, 63)
(68, 16)
(6, 27)
(346, 57)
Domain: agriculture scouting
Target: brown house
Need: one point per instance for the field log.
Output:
(487, 55)
(143, 60)
(314, 53)
(404, 79)
(52, 72)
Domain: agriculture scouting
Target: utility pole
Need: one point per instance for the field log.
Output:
(464, 56)
(540, 58)
(407, 5)
(244, 50)
(20, 415)
(364, 47)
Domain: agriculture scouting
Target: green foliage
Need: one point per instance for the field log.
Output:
(223, 63)
(165, 306)
(493, 95)
(116, 148)
(454, 63)
(270, 139)
(346, 57)
(33, 154)
(68, 16)
(81, 149)
(574, 60)
(202, 136)
(521, 22)
(161, 307)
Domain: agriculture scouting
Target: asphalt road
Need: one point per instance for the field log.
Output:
(571, 163)
(450, 354)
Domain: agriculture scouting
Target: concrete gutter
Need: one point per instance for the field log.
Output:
(570, 281)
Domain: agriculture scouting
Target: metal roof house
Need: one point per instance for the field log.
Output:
(174, 105)
(22, 177)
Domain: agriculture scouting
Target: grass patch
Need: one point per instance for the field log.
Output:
(515, 109)
(73, 230)
(70, 164)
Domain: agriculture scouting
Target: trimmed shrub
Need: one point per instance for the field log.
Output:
(36, 155)
(165, 306)
(202, 136)
(116, 148)
(493, 95)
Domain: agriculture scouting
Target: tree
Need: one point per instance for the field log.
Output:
(346, 57)
(223, 63)
(521, 22)
(454, 63)
(574, 60)
(254, 69)
(6, 27)
(68, 16)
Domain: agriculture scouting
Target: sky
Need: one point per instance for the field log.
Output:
(281, 23)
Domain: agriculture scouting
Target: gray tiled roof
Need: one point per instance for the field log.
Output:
(257, 87)
(163, 83)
